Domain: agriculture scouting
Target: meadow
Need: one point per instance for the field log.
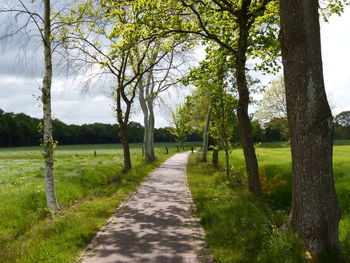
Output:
(242, 228)
(89, 188)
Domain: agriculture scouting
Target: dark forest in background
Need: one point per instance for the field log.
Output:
(22, 130)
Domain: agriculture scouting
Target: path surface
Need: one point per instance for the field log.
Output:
(155, 225)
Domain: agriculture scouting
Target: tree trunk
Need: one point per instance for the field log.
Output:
(242, 109)
(147, 104)
(125, 141)
(315, 211)
(206, 136)
(227, 159)
(215, 159)
(145, 117)
(150, 155)
(48, 141)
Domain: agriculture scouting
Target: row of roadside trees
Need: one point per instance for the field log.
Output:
(136, 42)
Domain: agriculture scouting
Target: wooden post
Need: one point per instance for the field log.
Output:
(95, 154)
(166, 149)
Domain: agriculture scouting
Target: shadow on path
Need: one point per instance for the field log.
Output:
(155, 225)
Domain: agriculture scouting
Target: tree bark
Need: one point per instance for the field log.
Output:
(315, 211)
(227, 159)
(48, 141)
(147, 104)
(150, 155)
(206, 136)
(126, 149)
(243, 102)
(215, 158)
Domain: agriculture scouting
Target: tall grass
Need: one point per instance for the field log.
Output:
(242, 228)
(89, 189)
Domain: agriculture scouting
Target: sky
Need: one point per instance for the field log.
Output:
(20, 80)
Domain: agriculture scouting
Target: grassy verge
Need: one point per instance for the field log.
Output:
(88, 188)
(242, 228)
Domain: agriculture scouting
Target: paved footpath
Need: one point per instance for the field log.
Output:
(156, 224)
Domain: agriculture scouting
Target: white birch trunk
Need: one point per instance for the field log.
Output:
(46, 100)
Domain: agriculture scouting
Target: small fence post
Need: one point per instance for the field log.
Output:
(166, 149)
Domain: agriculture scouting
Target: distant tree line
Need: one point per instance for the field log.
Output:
(275, 129)
(23, 130)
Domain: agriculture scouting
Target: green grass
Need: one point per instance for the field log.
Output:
(88, 189)
(242, 228)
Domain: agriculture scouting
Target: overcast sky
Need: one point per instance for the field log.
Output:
(19, 84)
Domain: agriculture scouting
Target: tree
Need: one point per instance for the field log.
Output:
(315, 211)
(106, 34)
(343, 119)
(224, 119)
(216, 21)
(42, 25)
(244, 28)
(158, 80)
(206, 135)
(342, 126)
(273, 105)
(214, 94)
(179, 121)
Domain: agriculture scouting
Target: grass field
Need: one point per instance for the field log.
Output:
(88, 189)
(242, 228)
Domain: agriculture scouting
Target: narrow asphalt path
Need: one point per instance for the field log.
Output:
(156, 224)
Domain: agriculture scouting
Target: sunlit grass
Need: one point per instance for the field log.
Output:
(241, 228)
(89, 189)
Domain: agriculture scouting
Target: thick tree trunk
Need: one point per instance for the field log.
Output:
(315, 211)
(206, 136)
(125, 142)
(48, 140)
(242, 109)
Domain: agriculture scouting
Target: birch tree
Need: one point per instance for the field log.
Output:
(42, 26)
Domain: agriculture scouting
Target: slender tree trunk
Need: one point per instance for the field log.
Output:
(315, 211)
(125, 142)
(48, 140)
(227, 159)
(145, 117)
(243, 102)
(150, 155)
(206, 136)
(215, 159)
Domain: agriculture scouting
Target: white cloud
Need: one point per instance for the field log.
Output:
(336, 56)
(71, 105)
